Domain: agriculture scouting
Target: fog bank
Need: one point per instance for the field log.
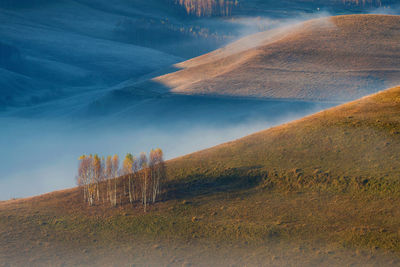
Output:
(40, 155)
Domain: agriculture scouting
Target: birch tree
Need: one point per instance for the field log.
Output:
(82, 180)
(108, 169)
(100, 181)
(97, 173)
(144, 173)
(128, 164)
(114, 173)
(157, 168)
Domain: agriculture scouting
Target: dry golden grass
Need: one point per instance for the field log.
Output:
(336, 58)
(323, 190)
(360, 139)
(253, 228)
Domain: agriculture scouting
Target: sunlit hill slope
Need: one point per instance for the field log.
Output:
(322, 190)
(355, 142)
(335, 58)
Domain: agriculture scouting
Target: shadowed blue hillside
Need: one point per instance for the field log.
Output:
(50, 49)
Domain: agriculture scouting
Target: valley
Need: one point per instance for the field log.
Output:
(279, 123)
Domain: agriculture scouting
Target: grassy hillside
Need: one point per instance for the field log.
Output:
(359, 140)
(337, 58)
(323, 191)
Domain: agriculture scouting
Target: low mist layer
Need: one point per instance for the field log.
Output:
(40, 155)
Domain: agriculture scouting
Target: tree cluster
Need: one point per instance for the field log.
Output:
(201, 8)
(363, 3)
(138, 179)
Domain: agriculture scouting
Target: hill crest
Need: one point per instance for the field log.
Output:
(336, 58)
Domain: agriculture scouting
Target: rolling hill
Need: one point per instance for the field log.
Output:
(358, 140)
(53, 51)
(51, 43)
(336, 58)
(322, 190)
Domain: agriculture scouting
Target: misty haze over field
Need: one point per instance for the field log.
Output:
(62, 65)
(40, 155)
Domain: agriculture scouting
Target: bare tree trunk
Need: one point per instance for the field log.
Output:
(145, 190)
(136, 183)
(84, 193)
(124, 192)
(98, 192)
(115, 193)
(109, 195)
(121, 194)
(154, 194)
(91, 195)
(129, 186)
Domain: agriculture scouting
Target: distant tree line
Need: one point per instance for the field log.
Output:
(138, 179)
(201, 8)
(363, 3)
